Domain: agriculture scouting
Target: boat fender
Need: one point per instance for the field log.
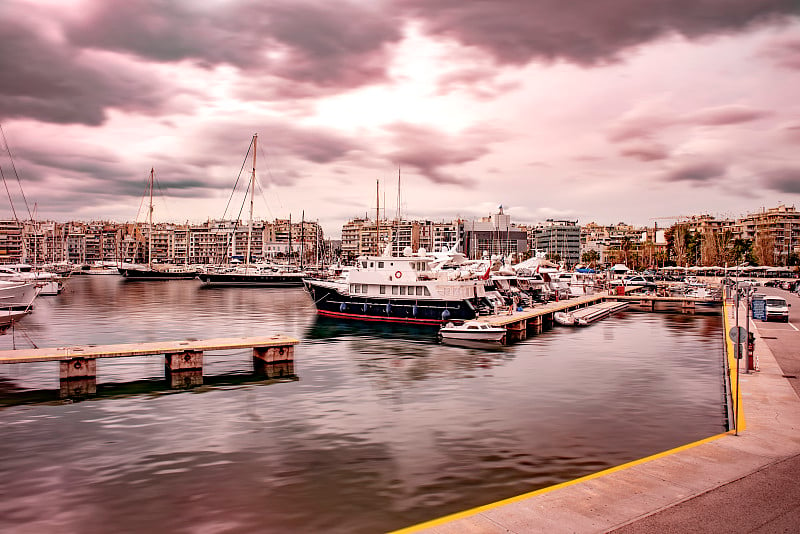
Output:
(398, 275)
(445, 315)
(388, 307)
(414, 310)
(342, 307)
(364, 307)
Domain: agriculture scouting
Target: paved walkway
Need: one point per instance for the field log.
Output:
(744, 483)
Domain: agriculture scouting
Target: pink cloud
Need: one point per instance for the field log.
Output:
(697, 172)
(645, 151)
(784, 52)
(646, 125)
(723, 115)
(429, 151)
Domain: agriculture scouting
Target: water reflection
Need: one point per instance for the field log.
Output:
(384, 427)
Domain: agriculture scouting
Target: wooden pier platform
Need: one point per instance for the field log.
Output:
(183, 360)
(517, 323)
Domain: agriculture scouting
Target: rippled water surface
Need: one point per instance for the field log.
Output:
(382, 427)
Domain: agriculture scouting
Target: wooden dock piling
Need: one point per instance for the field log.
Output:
(183, 360)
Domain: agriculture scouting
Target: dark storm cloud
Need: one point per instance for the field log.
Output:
(698, 173)
(785, 180)
(428, 151)
(585, 32)
(314, 42)
(45, 79)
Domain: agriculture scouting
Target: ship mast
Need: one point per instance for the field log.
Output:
(252, 189)
(377, 217)
(150, 224)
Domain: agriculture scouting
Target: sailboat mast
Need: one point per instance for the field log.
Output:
(302, 236)
(150, 224)
(252, 189)
(377, 217)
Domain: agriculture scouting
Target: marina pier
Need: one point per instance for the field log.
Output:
(518, 323)
(183, 360)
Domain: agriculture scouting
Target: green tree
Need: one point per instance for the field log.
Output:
(590, 257)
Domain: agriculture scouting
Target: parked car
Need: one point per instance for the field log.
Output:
(646, 282)
(777, 309)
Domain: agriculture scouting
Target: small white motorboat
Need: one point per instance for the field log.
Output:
(472, 331)
(564, 318)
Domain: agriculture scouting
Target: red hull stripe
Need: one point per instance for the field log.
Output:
(407, 320)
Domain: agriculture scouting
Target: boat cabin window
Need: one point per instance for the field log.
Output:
(364, 264)
(383, 290)
(380, 265)
(395, 290)
(371, 264)
(472, 327)
(419, 290)
(402, 290)
(358, 288)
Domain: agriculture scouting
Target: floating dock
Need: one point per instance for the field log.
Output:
(183, 360)
(586, 316)
(518, 323)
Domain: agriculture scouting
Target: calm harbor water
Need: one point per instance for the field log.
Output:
(381, 428)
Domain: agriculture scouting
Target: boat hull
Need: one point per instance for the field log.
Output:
(255, 280)
(470, 336)
(17, 295)
(332, 303)
(149, 274)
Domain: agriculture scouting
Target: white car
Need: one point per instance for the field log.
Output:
(777, 309)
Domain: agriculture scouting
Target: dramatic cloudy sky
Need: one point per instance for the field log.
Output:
(596, 110)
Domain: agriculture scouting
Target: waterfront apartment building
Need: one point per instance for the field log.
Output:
(621, 243)
(780, 224)
(360, 237)
(490, 235)
(103, 241)
(559, 239)
(493, 235)
(11, 242)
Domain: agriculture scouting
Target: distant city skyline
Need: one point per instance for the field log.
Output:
(597, 111)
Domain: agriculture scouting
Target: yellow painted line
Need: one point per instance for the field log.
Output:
(486, 507)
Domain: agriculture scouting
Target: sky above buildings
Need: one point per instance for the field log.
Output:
(595, 110)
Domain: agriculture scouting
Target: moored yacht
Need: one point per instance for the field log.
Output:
(153, 271)
(399, 289)
(17, 295)
(254, 276)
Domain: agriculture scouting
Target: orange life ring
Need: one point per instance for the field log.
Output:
(398, 274)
